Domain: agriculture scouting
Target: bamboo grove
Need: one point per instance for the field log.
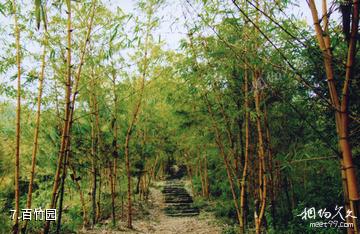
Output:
(256, 106)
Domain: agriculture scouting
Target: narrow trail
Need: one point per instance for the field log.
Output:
(184, 221)
(178, 201)
(165, 218)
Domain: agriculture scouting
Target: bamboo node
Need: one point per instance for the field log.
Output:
(346, 168)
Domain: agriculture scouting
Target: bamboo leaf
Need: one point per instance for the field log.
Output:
(52, 54)
(37, 13)
(44, 16)
(68, 4)
(2, 7)
(114, 32)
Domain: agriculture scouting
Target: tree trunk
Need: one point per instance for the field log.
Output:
(341, 108)
(62, 189)
(93, 192)
(95, 144)
(18, 110)
(64, 137)
(93, 172)
(190, 173)
(82, 200)
(115, 150)
(69, 109)
(270, 166)
(201, 173)
(259, 214)
(128, 173)
(346, 195)
(246, 159)
(206, 178)
(112, 186)
(132, 123)
(36, 130)
(98, 207)
(127, 160)
(122, 207)
(151, 176)
(224, 156)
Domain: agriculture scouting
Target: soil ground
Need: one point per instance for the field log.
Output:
(157, 222)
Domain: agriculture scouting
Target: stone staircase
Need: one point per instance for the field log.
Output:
(178, 201)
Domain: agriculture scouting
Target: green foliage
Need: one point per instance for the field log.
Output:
(192, 106)
(38, 12)
(229, 230)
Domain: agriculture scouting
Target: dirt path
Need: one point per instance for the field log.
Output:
(158, 222)
(168, 225)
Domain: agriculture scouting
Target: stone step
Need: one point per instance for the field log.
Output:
(178, 201)
(177, 195)
(183, 215)
(174, 184)
(180, 204)
(184, 208)
(174, 189)
(187, 211)
(175, 192)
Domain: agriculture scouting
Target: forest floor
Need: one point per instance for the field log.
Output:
(156, 221)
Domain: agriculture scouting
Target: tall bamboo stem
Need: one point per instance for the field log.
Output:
(37, 128)
(18, 111)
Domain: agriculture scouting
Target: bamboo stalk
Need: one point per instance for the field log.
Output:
(37, 128)
(262, 169)
(134, 118)
(81, 194)
(270, 165)
(115, 148)
(93, 172)
(18, 119)
(206, 177)
(341, 114)
(246, 159)
(64, 137)
(224, 156)
(69, 109)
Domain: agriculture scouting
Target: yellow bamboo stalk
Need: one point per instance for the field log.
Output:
(18, 111)
(37, 128)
